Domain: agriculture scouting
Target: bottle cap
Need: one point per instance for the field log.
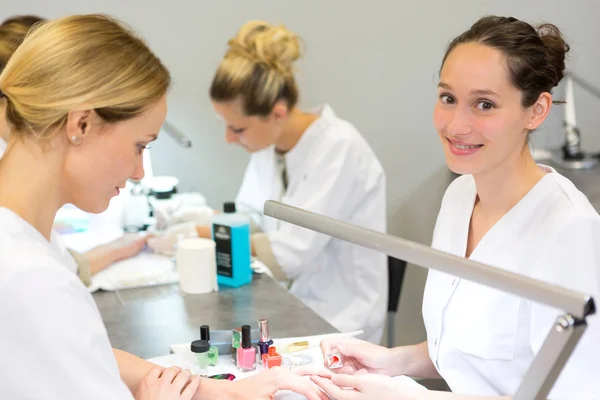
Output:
(246, 339)
(229, 208)
(263, 327)
(200, 346)
(205, 333)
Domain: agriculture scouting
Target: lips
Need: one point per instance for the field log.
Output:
(463, 149)
(464, 146)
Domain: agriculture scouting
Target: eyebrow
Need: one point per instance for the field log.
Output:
(233, 128)
(479, 92)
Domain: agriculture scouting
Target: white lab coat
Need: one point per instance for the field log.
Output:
(53, 343)
(481, 340)
(331, 171)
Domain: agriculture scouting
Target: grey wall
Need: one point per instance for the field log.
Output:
(374, 61)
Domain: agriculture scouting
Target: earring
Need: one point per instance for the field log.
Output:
(76, 140)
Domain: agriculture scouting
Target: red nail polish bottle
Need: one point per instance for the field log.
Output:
(271, 359)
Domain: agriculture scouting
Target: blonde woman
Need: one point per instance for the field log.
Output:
(310, 159)
(12, 33)
(84, 97)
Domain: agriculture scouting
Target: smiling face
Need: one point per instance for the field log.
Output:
(479, 114)
(107, 155)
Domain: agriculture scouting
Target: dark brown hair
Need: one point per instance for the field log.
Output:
(535, 57)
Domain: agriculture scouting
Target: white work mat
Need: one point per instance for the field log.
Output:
(185, 359)
(145, 269)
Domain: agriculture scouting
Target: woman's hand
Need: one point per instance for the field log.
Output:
(167, 384)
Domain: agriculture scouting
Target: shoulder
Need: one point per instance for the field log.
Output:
(339, 141)
(570, 226)
(48, 315)
(562, 208)
(29, 265)
(461, 189)
(20, 257)
(336, 132)
(33, 280)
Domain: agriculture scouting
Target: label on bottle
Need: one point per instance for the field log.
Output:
(222, 238)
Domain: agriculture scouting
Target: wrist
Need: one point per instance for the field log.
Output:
(98, 260)
(213, 389)
(399, 361)
(204, 389)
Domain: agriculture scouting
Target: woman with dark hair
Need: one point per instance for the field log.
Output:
(506, 211)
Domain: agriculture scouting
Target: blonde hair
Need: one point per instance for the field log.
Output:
(12, 33)
(78, 63)
(257, 68)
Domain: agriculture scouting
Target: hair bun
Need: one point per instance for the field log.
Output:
(556, 47)
(273, 46)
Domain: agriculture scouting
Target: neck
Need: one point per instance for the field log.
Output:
(501, 188)
(297, 123)
(30, 183)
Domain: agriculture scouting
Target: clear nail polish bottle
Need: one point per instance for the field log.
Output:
(213, 352)
(201, 348)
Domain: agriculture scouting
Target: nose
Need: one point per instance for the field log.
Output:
(458, 122)
(138, 172)
(231, 137)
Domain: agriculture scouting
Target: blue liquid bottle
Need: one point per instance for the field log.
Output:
(231, 233)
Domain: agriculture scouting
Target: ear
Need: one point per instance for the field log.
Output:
(280, 111)
(78, 125)
(539, 111)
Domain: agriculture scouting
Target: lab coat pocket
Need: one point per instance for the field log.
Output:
(486, 321)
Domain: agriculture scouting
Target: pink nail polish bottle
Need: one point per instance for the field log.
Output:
(246, 353)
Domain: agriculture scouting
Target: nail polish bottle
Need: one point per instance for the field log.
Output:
(264, 340)
(201, 348)
(272, 358)
(236, 342)
(246, 354)
(335, 360)
(213, 352)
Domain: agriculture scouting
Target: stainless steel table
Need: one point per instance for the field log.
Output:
(145, 321)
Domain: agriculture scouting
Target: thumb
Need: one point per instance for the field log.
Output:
(349, 349)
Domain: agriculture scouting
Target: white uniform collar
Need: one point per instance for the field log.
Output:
(2, 147)
(546, 168)
(297, 155)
